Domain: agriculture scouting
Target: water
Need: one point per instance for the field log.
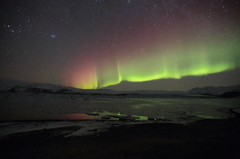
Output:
(30, 116)
(50, 106)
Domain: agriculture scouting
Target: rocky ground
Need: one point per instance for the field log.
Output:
(208, 138)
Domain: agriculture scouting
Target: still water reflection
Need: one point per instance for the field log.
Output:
(30, 115)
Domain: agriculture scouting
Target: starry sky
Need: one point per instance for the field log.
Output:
(121, 44)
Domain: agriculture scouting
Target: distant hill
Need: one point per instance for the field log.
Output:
(209, 90)
(235, 93)
(8, 84)
(22, 86)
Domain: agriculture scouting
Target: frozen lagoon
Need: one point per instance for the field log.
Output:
(156, 105)
(171, 130)
(28, 111)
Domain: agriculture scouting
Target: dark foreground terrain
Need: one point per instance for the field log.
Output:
(213, 139)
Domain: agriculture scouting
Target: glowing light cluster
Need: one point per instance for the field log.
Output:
(175, 62)
(142, 50)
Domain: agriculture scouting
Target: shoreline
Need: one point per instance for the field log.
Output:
(207, 138)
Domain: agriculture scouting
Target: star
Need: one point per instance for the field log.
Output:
(53, 36)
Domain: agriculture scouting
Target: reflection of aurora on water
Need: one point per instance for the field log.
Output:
(103, 107)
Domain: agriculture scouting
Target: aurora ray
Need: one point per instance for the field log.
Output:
(122, 45)
(172, 45)
(190, 59)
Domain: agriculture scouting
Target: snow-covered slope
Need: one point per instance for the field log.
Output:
(23, 86)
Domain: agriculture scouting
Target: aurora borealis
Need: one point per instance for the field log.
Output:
(94, 44)
(180, 62)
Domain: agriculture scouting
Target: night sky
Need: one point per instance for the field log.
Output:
(121, 44)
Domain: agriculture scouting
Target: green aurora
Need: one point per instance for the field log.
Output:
(174, 63)
(181, 45)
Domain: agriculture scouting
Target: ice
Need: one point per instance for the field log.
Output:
(166, 106)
